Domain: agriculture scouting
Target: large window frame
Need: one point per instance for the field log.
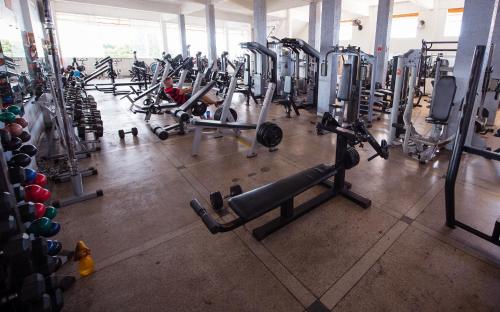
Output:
(453, 22)
(404, 26)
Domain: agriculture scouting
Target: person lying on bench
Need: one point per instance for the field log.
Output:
(181, 95)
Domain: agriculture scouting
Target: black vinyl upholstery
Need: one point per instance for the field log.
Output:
(252, 204)
(444, 94)
(344, 93)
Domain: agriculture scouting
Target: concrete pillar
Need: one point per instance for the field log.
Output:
(164, 35)
(330, 26)
(382, 38)
(260, 21)
(28, 37)
(210, 22)
(311, 38)
(260, 36)
(182, 32)
(490, 103)
(478, 19)
(289, 27)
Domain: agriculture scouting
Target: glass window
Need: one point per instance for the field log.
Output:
(174, 39)
(345, 31)
(220, 39)
(234, 38)
(404, 26)
(196, 37)
(93, 36)
(453, 22)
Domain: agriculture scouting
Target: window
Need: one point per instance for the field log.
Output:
(196, 38)
(234, 38)
(220, 40)
(173, 39)
(94, 36)
(11, 40)
(345, 33)
(453, 22)
(404, 25)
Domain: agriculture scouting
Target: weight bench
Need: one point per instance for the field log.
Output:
(255, 203)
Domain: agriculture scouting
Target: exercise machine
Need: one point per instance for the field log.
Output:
(467, 114)
(264, 67)
(421, 147)
(281, 194)
(267, 134)
(182, 114)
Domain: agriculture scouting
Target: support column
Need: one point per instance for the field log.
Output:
(182, 32)
(311, 38)
(382, 38)
(259, 21)
(164, 35)
(30, 49)
(289, 28)
(330, 26)
(260, 36)
(210, 22)
(478, 23)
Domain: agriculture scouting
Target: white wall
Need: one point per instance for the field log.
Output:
(433, 30)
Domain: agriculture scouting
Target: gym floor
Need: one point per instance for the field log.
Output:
(152, 252)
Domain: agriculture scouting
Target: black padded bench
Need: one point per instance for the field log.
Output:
(255, 203)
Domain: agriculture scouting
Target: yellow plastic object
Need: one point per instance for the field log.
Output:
(82, 254)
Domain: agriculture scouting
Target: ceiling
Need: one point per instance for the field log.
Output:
(241, 10)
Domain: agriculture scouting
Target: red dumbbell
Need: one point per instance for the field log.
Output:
(36, 193)
(40, 180)
(40, 210)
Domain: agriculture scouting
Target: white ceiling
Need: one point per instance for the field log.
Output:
(241, 10)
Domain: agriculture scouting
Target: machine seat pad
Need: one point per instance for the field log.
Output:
(254, 203)
(384, 91)
(219, 124)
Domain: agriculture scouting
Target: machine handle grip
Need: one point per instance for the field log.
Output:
(212, 225)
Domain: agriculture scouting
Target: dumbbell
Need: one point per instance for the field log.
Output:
(17, 175)
(19, 160)
(18, 253)
(44, 227)
(161, 133)
(28, 149)
(133, 131)
(44, 211)
(14, 109)
(14, 129)
(36, 193)
(8, 226)
(9, 142)
(82, 129)
(6, 207)
(43, 262)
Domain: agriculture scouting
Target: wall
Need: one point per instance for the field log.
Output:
(433, 30)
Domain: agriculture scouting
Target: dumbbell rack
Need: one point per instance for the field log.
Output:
(27, 280)
(75, 175)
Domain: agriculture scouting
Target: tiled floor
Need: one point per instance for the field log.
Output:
(152, 252)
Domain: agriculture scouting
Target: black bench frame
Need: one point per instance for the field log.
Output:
(346, 138)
